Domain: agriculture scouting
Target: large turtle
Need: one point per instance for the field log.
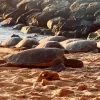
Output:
(41, 58)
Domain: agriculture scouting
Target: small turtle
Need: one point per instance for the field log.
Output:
(53, 38)
(12, 41)
(50, 44)
(27, 43)
(41, 58)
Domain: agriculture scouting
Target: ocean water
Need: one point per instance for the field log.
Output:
(6, 32)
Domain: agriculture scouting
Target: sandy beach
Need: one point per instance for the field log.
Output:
(74, 83)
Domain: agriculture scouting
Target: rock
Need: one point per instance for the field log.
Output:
(30, 29)
(14, 14)
(7, 22)
(55, 21)
(28, 43)
(27, 4)
(40, 18)
(53, 38)
(11, 42)
(94, 35)
(48, 75)
(67, 34)
(18, 26)
(81, 28)
(80, 45)
(92, 8)
(23, 17)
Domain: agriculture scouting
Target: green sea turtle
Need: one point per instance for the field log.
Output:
(27, 43)
(51, 58)
(50, 44)
(12, 41)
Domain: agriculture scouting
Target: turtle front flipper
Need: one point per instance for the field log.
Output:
(58, 66)
(74, 63)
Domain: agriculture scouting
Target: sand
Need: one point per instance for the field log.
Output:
(74, 83)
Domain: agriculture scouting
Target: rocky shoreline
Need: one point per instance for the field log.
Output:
(68, 18)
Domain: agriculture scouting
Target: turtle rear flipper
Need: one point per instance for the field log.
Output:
(74, 63)
(2, 61)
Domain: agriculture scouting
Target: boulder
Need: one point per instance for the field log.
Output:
(18, 26)
(94, 35)
(80, 45)
(31, 29)
(55, 21)
(27, 4)
(40, 18)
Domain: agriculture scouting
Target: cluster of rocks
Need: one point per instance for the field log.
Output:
(61, 42)
(69, 18)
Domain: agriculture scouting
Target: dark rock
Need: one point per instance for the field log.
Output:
(27, 5)
(18, 26)
(31, 29)
(94, 35)
(22, 18)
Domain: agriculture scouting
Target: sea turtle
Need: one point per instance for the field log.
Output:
(50, 44)
(53, 38)
(27, 43)
(51, 58)
(12, 41)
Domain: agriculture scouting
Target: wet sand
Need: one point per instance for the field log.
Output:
(74, 84)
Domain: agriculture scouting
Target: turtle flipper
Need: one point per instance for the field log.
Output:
(57, 67)
(6, 65)
(74, 63)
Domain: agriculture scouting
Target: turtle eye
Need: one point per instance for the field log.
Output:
(44, 75)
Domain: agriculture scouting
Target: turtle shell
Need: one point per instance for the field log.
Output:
(12, 41)
(26, 43)
(43, 57)
(50, 44)
(53, 38)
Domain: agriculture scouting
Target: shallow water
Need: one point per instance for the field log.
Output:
(6, 32)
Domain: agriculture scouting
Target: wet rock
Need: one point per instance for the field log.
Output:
(40, 18)
(53, 38)
(23, 17)
(84, 8)
(27, 4)
(31, 29)
(55, 21)
(94, 35)
(92, 8)
(80, 45)
(80, 27)
(18, 26)
(14, 14)
(7, 22)
(68, 34)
